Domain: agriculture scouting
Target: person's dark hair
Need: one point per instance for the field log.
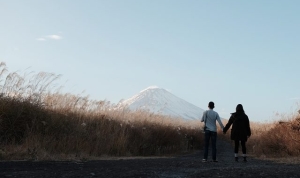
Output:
(240, 109)
(211, 105)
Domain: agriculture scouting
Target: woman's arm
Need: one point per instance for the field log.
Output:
(228, 124)
(248, 127)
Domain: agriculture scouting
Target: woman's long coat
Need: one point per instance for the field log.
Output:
(240, 126)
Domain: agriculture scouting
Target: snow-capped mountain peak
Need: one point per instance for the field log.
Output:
(161, 101)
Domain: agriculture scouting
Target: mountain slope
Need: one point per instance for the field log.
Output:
(160, 101)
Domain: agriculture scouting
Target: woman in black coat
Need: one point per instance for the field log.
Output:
(240, 130)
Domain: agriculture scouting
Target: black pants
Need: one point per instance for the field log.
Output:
(209, 135)
(237, 144)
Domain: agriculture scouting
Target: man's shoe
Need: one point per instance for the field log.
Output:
(215, 161)
(245, 159)
(204, 160)
(236, 159)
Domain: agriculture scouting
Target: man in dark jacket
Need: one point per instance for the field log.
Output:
(240, 130)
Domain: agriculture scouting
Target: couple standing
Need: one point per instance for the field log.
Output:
(240, 130)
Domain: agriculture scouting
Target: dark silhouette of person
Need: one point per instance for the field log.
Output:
(240, 130)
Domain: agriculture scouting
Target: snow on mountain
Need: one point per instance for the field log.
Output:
(160, 101)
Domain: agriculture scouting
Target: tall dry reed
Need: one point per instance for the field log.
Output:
(37, 121)
(278, 139)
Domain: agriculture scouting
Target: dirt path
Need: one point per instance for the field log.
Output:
(183, 166)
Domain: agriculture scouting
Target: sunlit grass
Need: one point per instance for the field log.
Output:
(279, 139)
(37, 121)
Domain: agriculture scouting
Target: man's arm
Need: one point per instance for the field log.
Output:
(202, 119)
(219, 121)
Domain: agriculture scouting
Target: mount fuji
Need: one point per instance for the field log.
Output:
(160, 101)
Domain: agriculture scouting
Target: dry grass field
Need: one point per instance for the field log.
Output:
(39, 122)
(280, 139)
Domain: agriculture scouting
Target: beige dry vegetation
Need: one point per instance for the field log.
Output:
(37, 121)
(281, 139)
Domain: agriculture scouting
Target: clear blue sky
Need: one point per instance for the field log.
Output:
(229, 52)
